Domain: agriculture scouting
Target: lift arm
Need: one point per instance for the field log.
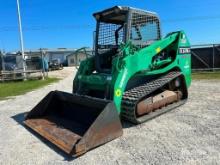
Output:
(137, 62)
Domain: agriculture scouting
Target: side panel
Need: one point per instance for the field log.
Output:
(184, 58)
(86, 68)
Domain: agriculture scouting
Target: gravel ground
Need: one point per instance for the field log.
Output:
(189, 134)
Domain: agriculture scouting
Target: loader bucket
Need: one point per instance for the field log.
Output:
(73, 122)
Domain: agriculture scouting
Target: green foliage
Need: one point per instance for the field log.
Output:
(18, 88)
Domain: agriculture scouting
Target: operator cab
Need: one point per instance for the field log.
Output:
(121, 24)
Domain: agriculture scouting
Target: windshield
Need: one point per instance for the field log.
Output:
(109, 36)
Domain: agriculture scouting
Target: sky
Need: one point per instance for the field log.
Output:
(70, 24)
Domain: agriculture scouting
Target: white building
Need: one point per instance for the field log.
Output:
(79, 55)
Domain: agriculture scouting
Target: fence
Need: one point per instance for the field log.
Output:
(205, 57)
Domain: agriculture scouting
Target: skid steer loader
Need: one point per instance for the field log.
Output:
(134, 75)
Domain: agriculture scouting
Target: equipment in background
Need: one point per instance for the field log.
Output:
(55, 64)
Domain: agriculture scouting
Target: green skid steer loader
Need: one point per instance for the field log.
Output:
(134, 75)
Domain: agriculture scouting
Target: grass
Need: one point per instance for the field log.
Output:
(18, 88)
(206, 75)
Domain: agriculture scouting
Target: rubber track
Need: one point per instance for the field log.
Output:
(134, 95)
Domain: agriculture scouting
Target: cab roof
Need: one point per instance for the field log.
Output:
(118, 14)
